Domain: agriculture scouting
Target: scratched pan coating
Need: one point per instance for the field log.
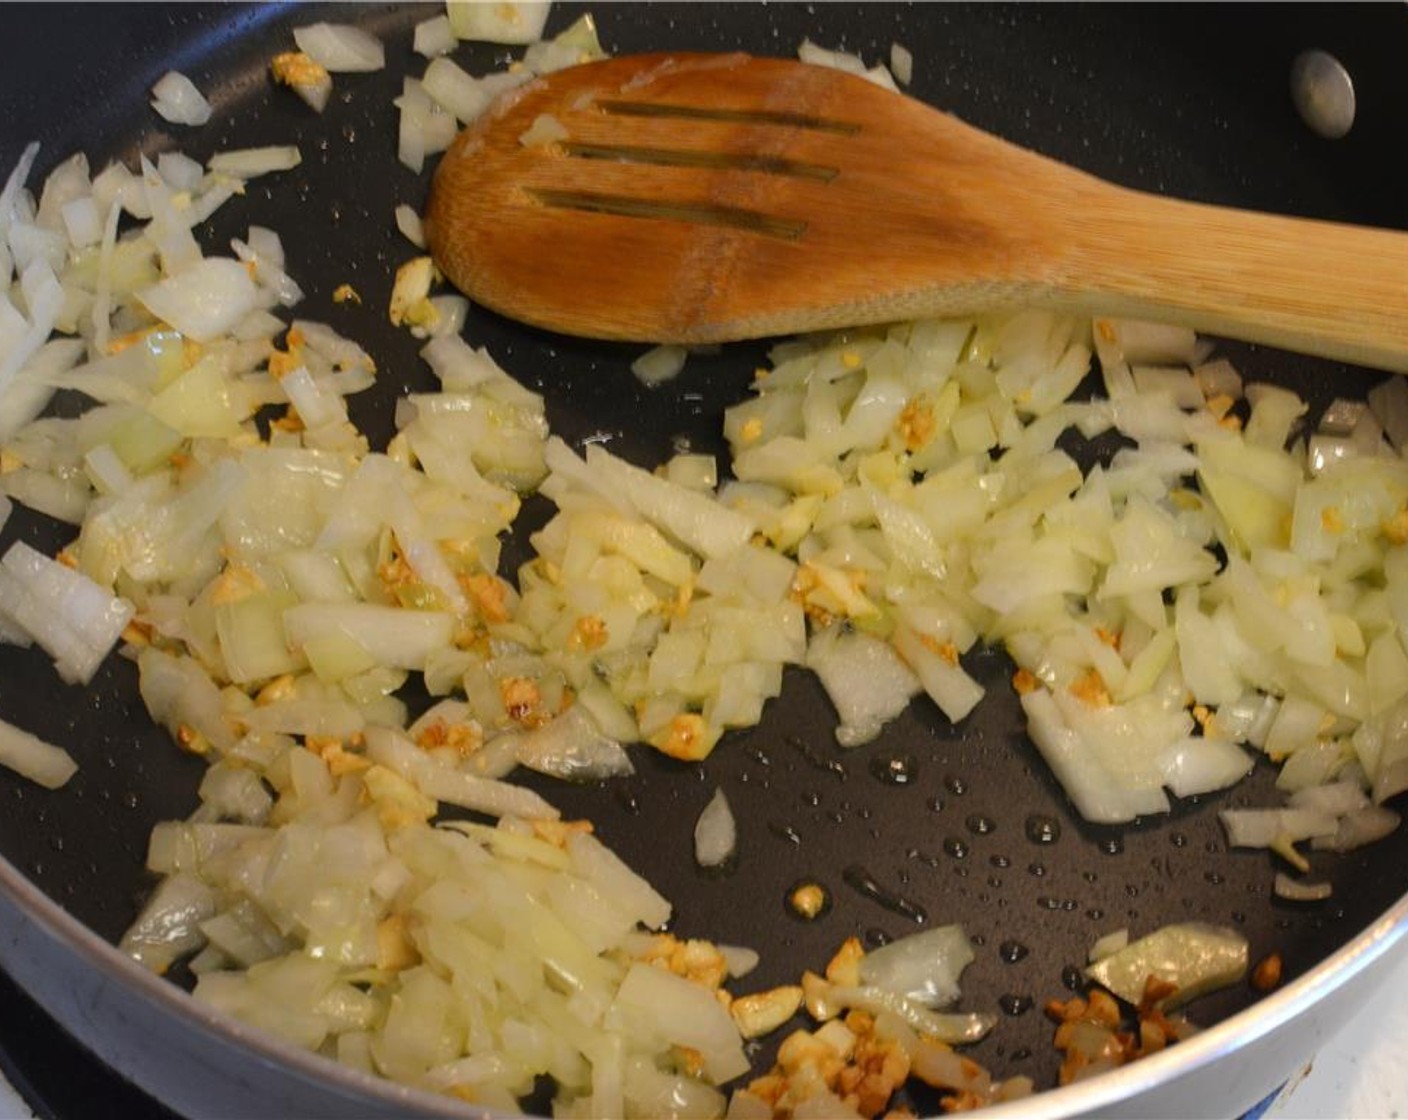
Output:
(1193, 102)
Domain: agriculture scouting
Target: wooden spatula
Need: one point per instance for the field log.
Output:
(702, 198)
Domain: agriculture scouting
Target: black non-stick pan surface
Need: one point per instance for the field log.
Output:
(1188, 100)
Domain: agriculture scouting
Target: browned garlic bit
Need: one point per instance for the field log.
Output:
(1095, 1037)
(855, 1061)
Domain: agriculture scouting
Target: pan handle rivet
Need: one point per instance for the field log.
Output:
(1323, 93)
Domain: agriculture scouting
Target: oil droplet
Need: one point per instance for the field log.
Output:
(1021, 1054)
(1095, 913)
(784, 832)
(1037, 869)
(979, 825)
(994, 882)
(1041, 829)
(862, 881)
(1012, 951)
(1178, 840)
(894, 770)
(1131, 889)
(628, 800)
(815, 760)
(1072, 978)
(1113, 846)
(808, 900)
(1046, 902)
(812, 798)
(836, 816)
(936, 804)
(955, 847)
(1213, 877)
(1000, 862)
(1015, 1005)
(130, 800)
(1239, 917)
(955, 785)
(876, 938)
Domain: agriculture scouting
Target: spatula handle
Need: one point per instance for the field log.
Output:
(1319, 287)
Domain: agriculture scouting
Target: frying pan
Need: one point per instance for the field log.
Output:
(1186, 100)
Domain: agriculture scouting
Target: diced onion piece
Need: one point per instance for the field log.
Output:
(901, 64)
(659, 364)
(653, 1001)
(455, 90)
(864, 678)
(1108, 945)
(509, 23)
(433, 37)
(924, 967)
(1357, 828)
(206, 300)
(176, 98)
(396, 638)
(341, 48)
(1261, 828)
(73, 618)
(1194, 957)
(573, 748)
(715, 833)
(606, 870)
(546, 129)
(955, 1028)
(409, 223)
(168, 927)
(249, 163)
(40, 762)
(1296, 890)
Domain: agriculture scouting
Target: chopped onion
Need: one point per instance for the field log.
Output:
(572, 747)
(923, 967)
(249, 163)
(71, 616)
(40, 762)
(510, 23)
(176, 98)
(454, 89)
(901, 64)
(409, 223)
(340, 47)
(1294, 890)
(433, 37)
(1193, 957)
(659, 364)
(715, 833)
(1358, 827)
(1108, 945)
(206, 300)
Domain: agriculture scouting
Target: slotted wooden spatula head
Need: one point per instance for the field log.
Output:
(700, 198)
(695, 198)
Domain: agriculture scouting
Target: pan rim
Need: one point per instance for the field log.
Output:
(1388, 933)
